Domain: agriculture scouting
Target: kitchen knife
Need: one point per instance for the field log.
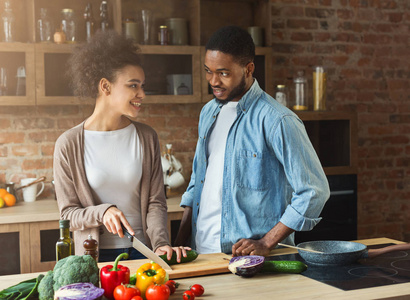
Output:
(137, 244)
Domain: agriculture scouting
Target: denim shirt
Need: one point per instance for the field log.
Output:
(271, 171)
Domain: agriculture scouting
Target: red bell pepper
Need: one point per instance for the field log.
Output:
(112, 276)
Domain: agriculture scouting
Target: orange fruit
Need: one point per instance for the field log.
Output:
(3, 192)
(9, 199)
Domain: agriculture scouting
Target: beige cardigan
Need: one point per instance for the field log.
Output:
(75, 200)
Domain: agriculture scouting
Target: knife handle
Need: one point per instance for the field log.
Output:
(126, 233)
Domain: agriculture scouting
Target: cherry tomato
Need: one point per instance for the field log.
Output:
(197, 289)
(158, 292)
(172, 285)
(125, 292)
(137, 298)
(188, 295)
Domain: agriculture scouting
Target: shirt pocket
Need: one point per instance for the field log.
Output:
(251, 172)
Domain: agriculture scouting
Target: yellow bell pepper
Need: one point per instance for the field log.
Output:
(148, 274)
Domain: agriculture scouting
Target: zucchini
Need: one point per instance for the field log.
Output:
(191, 255)
(293, 267)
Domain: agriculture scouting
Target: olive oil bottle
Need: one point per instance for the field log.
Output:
(65, 244)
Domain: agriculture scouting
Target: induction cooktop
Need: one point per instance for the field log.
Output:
(386, 269)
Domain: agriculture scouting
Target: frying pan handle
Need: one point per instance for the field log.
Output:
(376, 252)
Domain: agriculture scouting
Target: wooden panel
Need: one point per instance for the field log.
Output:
(24, 242)
(35, 252)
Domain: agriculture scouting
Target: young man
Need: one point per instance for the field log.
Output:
(256, 177)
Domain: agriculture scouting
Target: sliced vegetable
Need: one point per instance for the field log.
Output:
(246, 266)
(77, 291)
(294, 267)
(191, 255)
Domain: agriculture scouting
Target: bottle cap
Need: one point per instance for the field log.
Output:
(64, 223)
(280, 86)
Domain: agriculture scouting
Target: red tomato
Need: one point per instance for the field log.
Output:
(197, 289)
(172, 285)
(125, 292)
(137, 298)
(188, 295)
(158, 292)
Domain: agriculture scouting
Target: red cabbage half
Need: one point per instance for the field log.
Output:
(246, 266)
(77, 291)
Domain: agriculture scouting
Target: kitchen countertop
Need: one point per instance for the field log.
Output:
(269, 286)
(47, 210)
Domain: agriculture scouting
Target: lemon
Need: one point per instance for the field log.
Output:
(1, 202)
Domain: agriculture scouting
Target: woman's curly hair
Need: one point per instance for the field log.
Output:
(102, 57)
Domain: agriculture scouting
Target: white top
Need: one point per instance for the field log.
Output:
(209, 218)
(113, 166)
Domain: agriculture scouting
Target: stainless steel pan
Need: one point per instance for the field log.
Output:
(337, 253)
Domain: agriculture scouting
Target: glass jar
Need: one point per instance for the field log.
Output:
(68, 25)
(44, 30)
(9, 24)
(319, 88)
(104, 15)
(300, 91)
(163, 36)
(89, 22)
(281, 94)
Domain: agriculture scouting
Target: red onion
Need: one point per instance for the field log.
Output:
(77, 291)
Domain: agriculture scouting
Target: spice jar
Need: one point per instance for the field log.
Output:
(68, 25)
(300, 91)
(163, 36)
(319, 88)
(281, 94)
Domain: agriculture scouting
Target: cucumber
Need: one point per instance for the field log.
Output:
(293, 267)
(190, 256)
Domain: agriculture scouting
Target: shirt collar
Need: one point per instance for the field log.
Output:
(250, 97)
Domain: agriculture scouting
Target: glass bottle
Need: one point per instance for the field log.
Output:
(300, 90)
(104, 15)
(281, 94)
(319, 88)
(44, 27)
(65, 244)
(68, 25)
(9, 24)
(89, 22)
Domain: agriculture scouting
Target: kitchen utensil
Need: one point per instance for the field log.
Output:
(137, 244)
(338, 253)
(38, 180)
(295, 247)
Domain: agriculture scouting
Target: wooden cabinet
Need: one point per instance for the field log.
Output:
(45, 63)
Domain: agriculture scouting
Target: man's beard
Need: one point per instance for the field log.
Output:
(237, 91)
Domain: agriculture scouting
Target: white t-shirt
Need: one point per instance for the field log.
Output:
(113, 166)
(208, 236)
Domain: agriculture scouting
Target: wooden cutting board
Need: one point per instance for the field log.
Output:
(205, 264)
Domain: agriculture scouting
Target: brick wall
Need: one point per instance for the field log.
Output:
(365, 45)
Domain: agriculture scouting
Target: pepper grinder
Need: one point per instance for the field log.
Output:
(91, 247)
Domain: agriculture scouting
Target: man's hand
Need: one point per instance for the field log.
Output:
(250, 247)
(112, 219)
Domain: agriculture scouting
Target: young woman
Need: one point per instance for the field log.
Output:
(107, 170)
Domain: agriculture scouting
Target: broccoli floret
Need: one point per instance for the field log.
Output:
(45, 287)
(74, 269)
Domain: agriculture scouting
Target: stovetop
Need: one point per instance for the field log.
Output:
(386, 269)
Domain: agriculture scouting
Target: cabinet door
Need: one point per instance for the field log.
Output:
(15, 253)
(44, 236)
(52, 84)
(17, 90)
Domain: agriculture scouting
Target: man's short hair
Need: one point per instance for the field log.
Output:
(235, 41)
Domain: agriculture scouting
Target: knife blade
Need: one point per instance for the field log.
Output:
(137, 244)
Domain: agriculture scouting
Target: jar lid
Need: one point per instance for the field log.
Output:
(163, 26)
(280, 86)
(67, 10)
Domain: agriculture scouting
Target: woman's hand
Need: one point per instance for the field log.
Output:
(180, 251)
(112, 220)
